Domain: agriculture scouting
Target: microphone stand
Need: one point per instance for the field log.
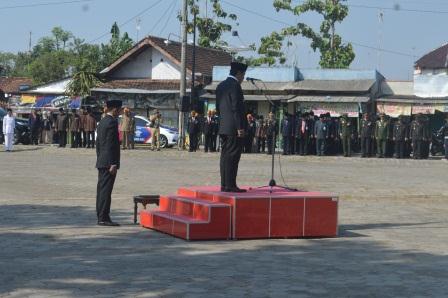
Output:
(272, 182)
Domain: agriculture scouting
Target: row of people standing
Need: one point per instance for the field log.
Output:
(47, 128)
(383, 136)
(306, 134)
(208, 126)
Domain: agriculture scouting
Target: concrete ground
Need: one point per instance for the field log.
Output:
(393, 230)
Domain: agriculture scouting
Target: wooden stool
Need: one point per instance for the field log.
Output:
(144, 200)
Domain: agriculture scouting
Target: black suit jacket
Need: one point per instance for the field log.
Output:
(107, 143)
(230, 107)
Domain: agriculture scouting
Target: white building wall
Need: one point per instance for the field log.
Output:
(431, 83)
(137, 68)
(163, 68)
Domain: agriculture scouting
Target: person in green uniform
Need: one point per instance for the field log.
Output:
(346, 134)
(366, 135)
(381, 135)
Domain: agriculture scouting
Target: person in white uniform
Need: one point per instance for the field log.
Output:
(9, 124)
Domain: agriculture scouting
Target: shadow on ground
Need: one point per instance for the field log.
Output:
(86, 260)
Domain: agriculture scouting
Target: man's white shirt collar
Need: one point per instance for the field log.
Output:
(230, 76)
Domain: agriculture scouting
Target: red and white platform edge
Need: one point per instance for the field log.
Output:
(206, 213)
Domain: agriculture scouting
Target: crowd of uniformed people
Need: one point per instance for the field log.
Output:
(373, 135)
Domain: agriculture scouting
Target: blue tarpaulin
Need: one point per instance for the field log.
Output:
(43, 101)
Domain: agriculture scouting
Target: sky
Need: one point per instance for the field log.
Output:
(407, 30)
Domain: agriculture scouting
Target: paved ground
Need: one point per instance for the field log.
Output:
(393, 235)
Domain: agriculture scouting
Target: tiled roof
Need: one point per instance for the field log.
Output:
(434, 59)
(143, 84)
(205, 58)
(12, 84)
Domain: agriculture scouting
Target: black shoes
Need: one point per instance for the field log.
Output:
(233, 189)
(108, 223)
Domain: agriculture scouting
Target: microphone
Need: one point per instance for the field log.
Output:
(249, 79)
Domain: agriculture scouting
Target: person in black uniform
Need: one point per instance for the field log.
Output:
(400, 137)
(231, 110)
(209, 127)
(286, 128)
(108, 161)
(194, 131)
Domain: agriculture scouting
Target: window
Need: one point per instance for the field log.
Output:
(140, 122)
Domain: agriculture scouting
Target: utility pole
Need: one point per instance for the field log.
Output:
(183, 74)
(29, 43)
(380, 37)
(193, 67)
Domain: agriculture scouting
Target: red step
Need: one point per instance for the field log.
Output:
(189, 218)
(258, 213)
(190, 207)
(204, 212)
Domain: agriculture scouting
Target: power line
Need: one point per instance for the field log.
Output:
(163, 15)
(288, 24)
(44, 4)
(128, 20)
(397, 9)
(169, 17)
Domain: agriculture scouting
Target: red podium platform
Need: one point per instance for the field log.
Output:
(205, 213)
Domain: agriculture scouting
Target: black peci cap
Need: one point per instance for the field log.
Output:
(238, 66)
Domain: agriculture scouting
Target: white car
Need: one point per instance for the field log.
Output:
(168, 135)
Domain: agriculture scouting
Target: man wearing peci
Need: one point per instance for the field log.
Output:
(108, 161)
(231, 110)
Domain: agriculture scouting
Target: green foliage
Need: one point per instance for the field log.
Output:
(62, 54)
(6, 63)
(270, 51)
(117, 46)
(210, 28)
(50, 66)
(334, 53)
(82, 82)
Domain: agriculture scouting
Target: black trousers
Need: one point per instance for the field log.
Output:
(417, 149)
(193, 142)
(366, 147)
(75, 136)
(83, 142)
(399, 149)
(286, 145)
(104, 194)
(248, 143)
(213, 146)
(261, 145)
(232, 147)
(62, 138)
(91, 139)
(304, 143)
(208, 146)
(34, 136)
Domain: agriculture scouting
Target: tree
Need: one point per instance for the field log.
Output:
(117, 46)
(6, 64)
(61, 35)
(82, 83)
(210, 28)
(334, 53)
(50, 66)
(270, 51)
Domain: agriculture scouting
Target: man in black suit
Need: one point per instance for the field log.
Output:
(231, 110)
(108, 161)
